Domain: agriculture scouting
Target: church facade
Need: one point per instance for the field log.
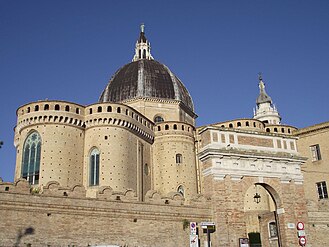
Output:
(134, 170)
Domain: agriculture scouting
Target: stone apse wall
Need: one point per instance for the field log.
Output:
(60, 216)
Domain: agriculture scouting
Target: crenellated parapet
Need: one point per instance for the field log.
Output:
(254, 125)
(248, 124)
(119, 115)
(174, 128)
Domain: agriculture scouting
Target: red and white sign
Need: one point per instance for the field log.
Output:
(300, 226)
(302, 241)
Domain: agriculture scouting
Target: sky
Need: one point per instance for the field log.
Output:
(69, 49)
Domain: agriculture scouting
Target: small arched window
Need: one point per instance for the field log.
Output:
(166, 127)
(46, 107)
(247, 124)
(77, 111)
(230, 125)
(90, 110)
(282, 130)
(181, 190)
(179, 158)
(255, 124)
(158, 119)
(275, 130)
(36, 108)
(159, 128)
(109, 108)
(31, 158)
(94, 167)
(99, 109)
(67, 108)
(28, 110)
(268, 130)
(175, 126)
(118, 110)
(239, 124)
(144, 53)
(56, 107)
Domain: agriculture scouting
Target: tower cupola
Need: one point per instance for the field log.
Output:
(265, 109)
(143, 47)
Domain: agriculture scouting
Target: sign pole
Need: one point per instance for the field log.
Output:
(208, 237)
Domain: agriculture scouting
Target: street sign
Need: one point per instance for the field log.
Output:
(192, 228)
(206, 225)
(301, 233)
(194, 240)
(302, 241)
(300, 226)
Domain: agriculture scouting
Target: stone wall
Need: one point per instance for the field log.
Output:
(62, 216)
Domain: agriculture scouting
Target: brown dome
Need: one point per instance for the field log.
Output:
(145, 78)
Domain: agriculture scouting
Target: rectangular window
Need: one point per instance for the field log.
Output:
(315, 150)
(322, 190)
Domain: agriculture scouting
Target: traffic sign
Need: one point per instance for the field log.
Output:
(302, 241)
(194, 240)
(300, 226)
(192, 228)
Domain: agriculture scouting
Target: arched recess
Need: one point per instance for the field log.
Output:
(261, 202)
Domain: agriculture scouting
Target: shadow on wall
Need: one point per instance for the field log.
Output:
(20, 235)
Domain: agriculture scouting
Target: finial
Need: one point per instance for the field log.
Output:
(260, 76)
(142, 28)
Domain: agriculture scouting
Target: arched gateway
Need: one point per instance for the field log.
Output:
(235, 162)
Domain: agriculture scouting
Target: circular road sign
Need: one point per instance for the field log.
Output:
(302, 241)
(300, 226)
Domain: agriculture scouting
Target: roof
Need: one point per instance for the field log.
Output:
(145, 78)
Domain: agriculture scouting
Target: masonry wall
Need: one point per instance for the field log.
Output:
(55, 219)
(315, 171)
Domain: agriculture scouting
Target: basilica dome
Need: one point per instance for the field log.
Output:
(145, 78)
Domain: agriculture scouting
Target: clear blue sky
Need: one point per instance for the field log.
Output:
(68, 50)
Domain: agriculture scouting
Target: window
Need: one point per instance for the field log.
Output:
(46, 107)
(180, 190)
(67, 108)
(315, 150)
(179, 159)
(99, 109)
(158, 119)
(272, 230)
(322, 190)
(56, 107)
(109, 109)
(36, 108)
(31, 158)
(94, 167)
